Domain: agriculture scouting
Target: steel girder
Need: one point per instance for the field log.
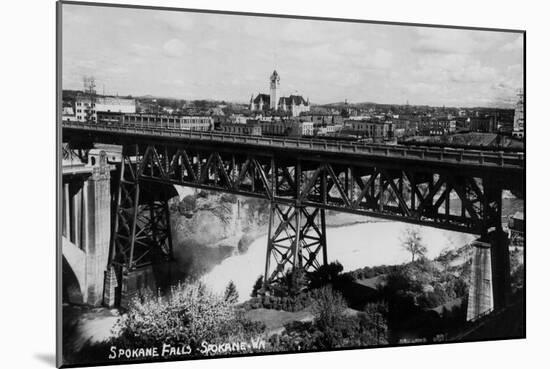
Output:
(296, 239)
(299, 191)
(443, 199)
(141, 231)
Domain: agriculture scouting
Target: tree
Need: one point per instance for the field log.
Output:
(412, 242)
(376, 321)
(329, 273)
(231, 295)
(295, 279)
(257, 286)
(329, 307)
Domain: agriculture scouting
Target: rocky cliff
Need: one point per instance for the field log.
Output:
(209, 226)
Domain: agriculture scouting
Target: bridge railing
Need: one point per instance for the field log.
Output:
(477, 157)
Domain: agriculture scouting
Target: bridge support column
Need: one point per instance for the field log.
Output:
(141, 233)
(490, 275)
(66, 211)
(501, 268)
(76, 215)
(297, 239)
(98, 227)
(87, 226)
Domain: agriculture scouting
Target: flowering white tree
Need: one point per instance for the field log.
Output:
(189, 313)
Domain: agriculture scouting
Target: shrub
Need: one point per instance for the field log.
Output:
(190, 313)
(332, 328)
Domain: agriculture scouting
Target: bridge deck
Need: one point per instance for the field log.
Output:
(447, 156)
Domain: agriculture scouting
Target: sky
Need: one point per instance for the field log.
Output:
(230, 57)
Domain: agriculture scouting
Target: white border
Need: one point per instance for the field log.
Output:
(28, 181)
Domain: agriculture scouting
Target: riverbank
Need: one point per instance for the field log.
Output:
(368, 243)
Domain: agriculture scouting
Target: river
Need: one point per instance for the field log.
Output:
(354, 246)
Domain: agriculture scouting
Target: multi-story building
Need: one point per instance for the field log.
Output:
(406, 125)
(238, 118)
(333, 128)
(68, 113)
(305, 128)
(462, 123)
(369, 129)
(291, 128)
(250, 128)
(360, 117)
(323, 119)
(326, 129)
(86, 108)
(486, 123)
(185, 123)
(436, 127)
(293, 105)
(519, 118)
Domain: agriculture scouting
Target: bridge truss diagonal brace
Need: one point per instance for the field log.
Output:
(141, 230)
(296, 239)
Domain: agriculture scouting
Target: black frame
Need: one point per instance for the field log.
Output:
(58, 154)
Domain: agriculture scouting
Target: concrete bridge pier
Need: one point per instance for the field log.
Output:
(490, 275)
(86, 227)
(98, 223)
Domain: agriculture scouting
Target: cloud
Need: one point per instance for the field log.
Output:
(141, 50)
(174, 48)
(515, 45)
(444, 41)
(473, 72)
(73, 16)
(305, 31)
(460, 68)
(175, 21)
(211, 44)
(232, 57)
(380, 59)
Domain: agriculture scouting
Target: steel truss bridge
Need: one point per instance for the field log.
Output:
(453, 189)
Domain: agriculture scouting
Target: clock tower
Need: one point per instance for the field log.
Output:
(273, 90)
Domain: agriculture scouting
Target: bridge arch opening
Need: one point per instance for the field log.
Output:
(71, 289)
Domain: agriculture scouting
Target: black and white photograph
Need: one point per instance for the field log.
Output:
(240, 184)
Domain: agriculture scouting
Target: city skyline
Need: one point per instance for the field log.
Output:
(230, 57)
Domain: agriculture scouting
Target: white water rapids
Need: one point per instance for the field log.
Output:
(354, 246)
